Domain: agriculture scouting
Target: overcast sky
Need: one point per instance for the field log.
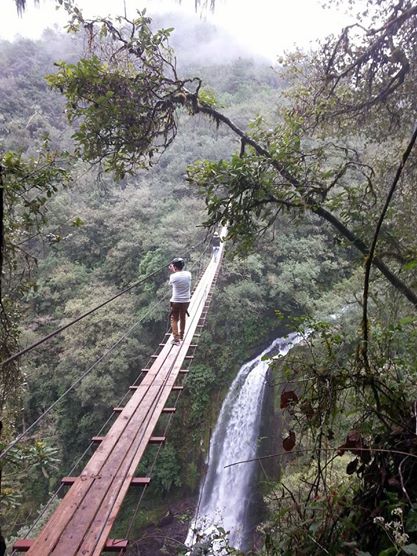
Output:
(266, 27)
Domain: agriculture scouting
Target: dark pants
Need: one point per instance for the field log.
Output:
(178, 313)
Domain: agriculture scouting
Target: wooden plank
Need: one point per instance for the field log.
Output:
(68, 480)
(169, 410)
(157, 439)
(116, 545)
(140, 481)
(22, 545)
(112, 545)
(177, 388)
(97, 439)
(136, 481)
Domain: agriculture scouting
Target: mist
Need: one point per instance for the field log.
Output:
(197, 41)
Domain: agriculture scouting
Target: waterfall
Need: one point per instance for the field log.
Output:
(226, 493)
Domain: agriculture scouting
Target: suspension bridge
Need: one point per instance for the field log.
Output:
(83, 520)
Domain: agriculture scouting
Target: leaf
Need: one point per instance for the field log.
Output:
(355, 443)
(410, 265)
(411, 523)
(289, 442)
(288, 398)
(391, 551)
(410, 549)
(77, 222)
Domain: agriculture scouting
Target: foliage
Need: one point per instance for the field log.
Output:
(199, 384)
(166, 474)
(354, 392)
(301, 164)
(27, 185)
(31, 464)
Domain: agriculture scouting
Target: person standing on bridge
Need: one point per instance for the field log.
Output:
(180, 281)
(215, 243)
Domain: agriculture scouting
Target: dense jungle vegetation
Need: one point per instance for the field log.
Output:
(313, 168)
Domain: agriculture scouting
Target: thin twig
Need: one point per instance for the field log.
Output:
(303, 451)
(402, 481)
(368, 264)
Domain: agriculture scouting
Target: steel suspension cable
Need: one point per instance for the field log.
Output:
(79, 379)
(86, 314)
(73, 468)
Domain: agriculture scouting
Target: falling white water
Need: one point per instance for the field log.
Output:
(225, 495)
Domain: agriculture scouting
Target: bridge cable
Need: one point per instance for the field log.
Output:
(79, 379)
(65, 326)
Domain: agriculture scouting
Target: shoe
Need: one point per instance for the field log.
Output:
(175, 342)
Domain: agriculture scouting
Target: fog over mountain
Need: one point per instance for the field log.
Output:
(199, 41)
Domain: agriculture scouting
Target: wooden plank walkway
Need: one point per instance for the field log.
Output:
(83, 520)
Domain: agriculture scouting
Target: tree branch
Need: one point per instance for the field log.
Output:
(320, 211)
(370, 257)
